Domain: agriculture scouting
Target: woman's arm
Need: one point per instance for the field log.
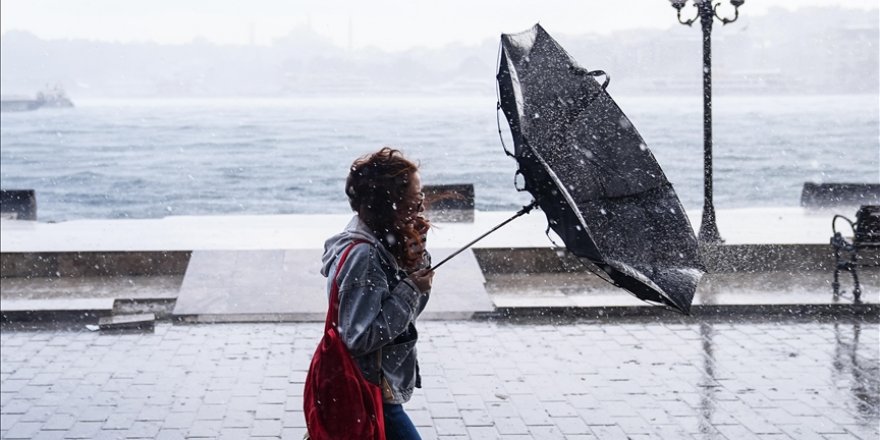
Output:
(369, 315)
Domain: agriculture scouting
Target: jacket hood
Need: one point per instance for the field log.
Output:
(356, 230)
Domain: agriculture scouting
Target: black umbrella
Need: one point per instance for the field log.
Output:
(592, 174)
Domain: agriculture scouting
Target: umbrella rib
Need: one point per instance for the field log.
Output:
(589, 265)
(564, 190)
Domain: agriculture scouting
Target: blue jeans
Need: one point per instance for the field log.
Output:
(398, 426)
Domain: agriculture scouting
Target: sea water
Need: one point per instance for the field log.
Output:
(154, 158)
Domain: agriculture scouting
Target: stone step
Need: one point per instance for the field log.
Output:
(286, 285)
(62, 309)
(139, 320)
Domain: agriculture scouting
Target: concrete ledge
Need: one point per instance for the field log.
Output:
(81, 309)
(771, 257)
(305, 317)
(527, 260)
(97, 263)
(721, 259)
(160, 307)
(869, 312)
(248, 317)
(724, 258)
(127, 322)
(72, 309)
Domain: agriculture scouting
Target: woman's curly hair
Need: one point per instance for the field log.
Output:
(378, 189)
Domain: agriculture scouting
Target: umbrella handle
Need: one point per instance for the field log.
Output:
(525, 210)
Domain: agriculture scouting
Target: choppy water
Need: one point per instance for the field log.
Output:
(142, 159)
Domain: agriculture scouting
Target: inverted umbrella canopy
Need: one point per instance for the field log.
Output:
(592, 174)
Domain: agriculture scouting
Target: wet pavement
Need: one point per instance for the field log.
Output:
(715, 289)
(612, 379)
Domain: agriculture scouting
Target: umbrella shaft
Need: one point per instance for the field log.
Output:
(521, 212)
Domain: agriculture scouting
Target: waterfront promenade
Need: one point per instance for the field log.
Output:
(766, 355)
(214, 266)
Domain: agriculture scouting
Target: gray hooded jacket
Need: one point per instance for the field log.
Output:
(378, 307)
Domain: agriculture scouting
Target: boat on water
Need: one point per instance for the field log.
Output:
(54, 97)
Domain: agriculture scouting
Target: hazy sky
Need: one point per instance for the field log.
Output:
(387, 24)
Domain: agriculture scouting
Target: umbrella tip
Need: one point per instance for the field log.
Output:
(684, 309)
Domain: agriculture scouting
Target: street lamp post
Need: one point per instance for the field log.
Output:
(707, 13)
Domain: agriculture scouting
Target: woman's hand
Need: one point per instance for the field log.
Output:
(422, 278)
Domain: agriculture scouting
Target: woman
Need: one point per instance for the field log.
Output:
(383, 284)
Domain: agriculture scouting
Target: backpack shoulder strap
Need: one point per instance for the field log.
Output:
(333, 309)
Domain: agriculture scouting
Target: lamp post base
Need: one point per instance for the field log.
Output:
(709, 229)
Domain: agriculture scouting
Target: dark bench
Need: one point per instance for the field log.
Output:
(18, 204)
(866, 235)
(450, 203)
(829, 195)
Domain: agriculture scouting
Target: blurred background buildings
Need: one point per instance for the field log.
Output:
(816, 50)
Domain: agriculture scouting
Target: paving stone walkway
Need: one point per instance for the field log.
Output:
(483, 380)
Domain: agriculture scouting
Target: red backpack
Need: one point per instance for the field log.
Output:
(338, 402)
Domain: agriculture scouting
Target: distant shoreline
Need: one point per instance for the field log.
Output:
(86, 101)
